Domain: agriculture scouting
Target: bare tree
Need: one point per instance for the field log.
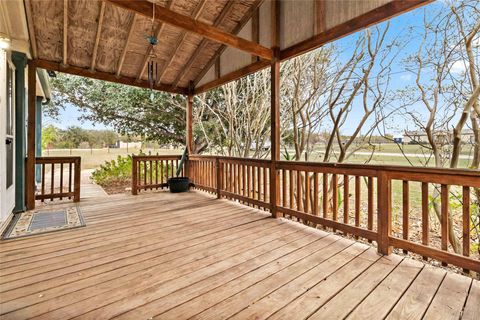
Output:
(446, 78)
(235, 119)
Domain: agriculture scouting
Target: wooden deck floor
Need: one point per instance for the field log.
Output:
(178, 256)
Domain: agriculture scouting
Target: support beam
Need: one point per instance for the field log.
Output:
(30, 166)
(196, 14)
(365, 20)
(55, 66)
(189, 138)
(234, 75)
(158, 32)
(101, 16)
(256, 5)
(124, 51)
(275, 111)
(202, 29)
(65, 32)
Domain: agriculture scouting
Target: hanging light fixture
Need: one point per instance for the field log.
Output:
(152, 67)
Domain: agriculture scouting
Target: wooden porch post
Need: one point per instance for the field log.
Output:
(30, 166)
(384, 214)
(275, 109)
(189, 137)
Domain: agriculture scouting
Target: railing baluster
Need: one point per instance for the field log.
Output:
(299, 190)
(70, 170)
(259, 183)
(61, 180)
(406, 211)
(307, 192)
(290, 181)
(315, 193)
(265, 185)
(284, 188)
(325, 195)
(425, 221)
(370, 204)
(466, 222)
(334, 197)
(346, 195)
(156, 173)
(444, 214)
(151, 174)
(358, 199)
(52, 181)
(43, 181)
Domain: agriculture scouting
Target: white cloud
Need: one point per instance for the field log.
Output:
(406, 77)
(459, 66)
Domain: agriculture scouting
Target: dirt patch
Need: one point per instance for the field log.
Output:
(117, 187)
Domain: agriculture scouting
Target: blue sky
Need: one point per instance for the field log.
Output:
(399, 26)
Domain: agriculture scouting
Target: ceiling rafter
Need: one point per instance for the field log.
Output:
(237, 29)
(158, 32)
(124, 51)
(101, 16)
(196, 14)
(65, 32)
(203, 29)
(31, 28)
(218, 21)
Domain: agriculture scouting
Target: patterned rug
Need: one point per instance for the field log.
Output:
(42, 221)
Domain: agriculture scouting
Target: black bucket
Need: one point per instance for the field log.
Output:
(178, 184)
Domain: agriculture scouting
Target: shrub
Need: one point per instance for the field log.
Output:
(114, 172)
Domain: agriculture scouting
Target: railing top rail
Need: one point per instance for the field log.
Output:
(57, 159)
(406, 169)
(225, 158)
(156, 157)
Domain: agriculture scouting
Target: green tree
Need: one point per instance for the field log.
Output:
(129, 110)
(49, 136)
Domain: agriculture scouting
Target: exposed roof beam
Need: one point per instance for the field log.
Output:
(31, 28)
(319, 17)
(218, 21)
(237, 29)
(196, 14)
(124, 52)
(234, 75)
(65, 32)
(384, 12)
(184, 22)
(159, 31)
(59, 67)
(101, 16)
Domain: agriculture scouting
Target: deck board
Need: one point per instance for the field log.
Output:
(179, 256)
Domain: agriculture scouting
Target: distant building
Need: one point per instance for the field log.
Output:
(440, 137)
(125, 145)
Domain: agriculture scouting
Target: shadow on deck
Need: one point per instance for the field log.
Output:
(178, 256)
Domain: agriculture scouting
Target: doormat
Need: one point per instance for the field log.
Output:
(42, 221)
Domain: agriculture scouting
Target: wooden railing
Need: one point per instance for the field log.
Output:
(245, 180)
(152, 172)
(55, 182)
(377, 203)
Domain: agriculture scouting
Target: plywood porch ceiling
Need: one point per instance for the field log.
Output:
(100, 37)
